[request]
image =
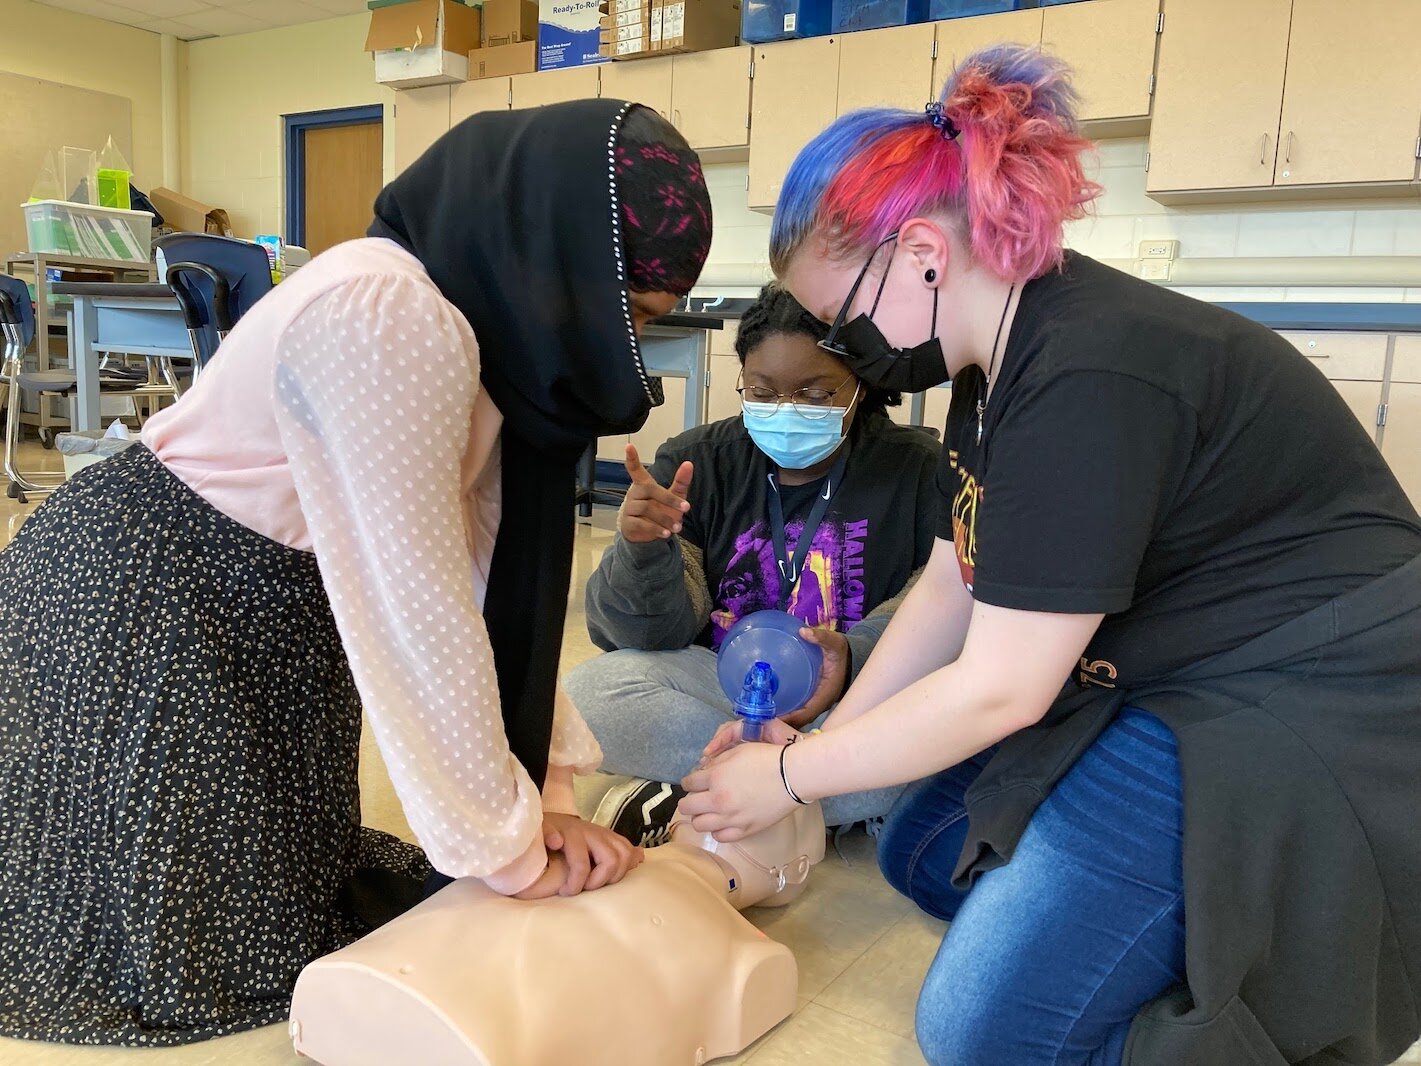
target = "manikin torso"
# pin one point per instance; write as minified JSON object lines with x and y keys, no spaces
{"x":659,"y":970}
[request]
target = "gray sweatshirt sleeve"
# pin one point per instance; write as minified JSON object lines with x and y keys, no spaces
{"x":651,"y":597}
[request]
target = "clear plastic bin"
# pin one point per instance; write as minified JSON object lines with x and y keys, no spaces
{"x":762,"y":21}
{"x":63,"y":228}
{"x":956,"y":9}
{"x":852,"y":15}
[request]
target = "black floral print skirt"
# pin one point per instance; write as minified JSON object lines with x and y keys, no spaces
{"x":179,"y":736}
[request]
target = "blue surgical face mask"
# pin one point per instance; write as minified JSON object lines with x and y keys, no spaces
{"x":793,"y":440}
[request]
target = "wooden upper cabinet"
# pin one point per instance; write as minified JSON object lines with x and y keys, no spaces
{"x":643,"y":81}
{"x":886,"y":68}
{"x":959,"y":38}
{"x":421,"y":118}
{"x":555,"y":86}
{"x":1218,"y":94}
{"x":486,"y":94}
{"x":1110,"y":46}
{"x":710,"y":97}
{"x":1352,"y":102}
{"x":796,"y":95}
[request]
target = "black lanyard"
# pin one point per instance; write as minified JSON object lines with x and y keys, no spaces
{"x":791,"y":566}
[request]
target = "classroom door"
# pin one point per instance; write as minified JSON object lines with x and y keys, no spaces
{"x":344,"y":173}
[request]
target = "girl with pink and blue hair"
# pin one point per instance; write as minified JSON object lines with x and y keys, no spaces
{"x":1157,"y":696}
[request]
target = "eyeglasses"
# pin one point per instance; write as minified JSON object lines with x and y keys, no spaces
{"x":831,"y":342}
{"x":811,"y":403}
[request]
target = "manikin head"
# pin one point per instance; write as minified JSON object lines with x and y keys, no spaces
{"x":768,"y":868}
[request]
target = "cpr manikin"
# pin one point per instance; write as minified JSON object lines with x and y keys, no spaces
{"x":658,"y":970}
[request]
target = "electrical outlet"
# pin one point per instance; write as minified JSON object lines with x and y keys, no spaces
{"x":1154,"y":269}
{"x":1159,"y":249}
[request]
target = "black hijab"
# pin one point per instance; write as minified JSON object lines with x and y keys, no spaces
{"x":516,"y":217}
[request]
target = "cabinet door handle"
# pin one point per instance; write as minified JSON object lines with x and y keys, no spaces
{"x":676,"y":117}
{"x":1263,"y":151}
{"x":1288,"y":151}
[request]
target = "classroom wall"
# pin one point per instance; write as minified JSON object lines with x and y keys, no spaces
{"x":1122,"y":218}
{"x":45,"y":42}
{"x":235,"y":92}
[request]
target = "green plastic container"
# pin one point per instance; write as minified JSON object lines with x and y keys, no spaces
{"x":114,"y":190}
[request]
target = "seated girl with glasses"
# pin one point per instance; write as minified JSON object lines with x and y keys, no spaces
{"x":696,"y":550}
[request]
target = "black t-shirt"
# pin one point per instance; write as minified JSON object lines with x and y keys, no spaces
{"x":877,"y":530}
{"x":1170,"y":464}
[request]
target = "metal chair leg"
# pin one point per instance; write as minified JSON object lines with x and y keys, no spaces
{"x":22,"y":485}
{"x":170,"y":376}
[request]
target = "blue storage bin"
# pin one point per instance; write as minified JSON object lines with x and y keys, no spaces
{"x":1053,"y":3}
{"x":852,"y":15}
{"x":762,"y":21}
{"x":957,"y":9}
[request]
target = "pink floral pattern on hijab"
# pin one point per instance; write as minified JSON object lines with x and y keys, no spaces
{"x":666,"y":216}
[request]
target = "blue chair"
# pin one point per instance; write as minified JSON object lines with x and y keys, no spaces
{"x":216,"y":280}
{"x":17,"y":321}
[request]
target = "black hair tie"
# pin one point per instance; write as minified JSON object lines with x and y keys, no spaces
{"x":939,"y":118}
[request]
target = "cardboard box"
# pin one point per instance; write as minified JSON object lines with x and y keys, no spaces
{"x":698,"y":25}
{"x":422,"y":42}
{"x":637,"y":48}
{"x":630,"y":31}
{"x":634,"y":16}
{"x":677,"y":26}
{"x":626,"y":28}
{"x":509,"y":22}
{"x":182,"y":214}
{"x":569,"y":33}
{"x":502,"y":60}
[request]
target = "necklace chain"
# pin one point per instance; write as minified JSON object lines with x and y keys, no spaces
{"x":982,"y":400}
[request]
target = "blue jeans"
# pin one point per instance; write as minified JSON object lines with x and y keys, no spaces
{"x":1050,"y":957}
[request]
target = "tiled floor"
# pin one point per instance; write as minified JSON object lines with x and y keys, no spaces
{"x":862,"y":949}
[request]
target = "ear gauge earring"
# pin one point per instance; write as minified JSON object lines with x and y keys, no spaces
{"x":930,"y":275}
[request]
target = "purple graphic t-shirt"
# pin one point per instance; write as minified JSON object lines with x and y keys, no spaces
{"x":830,"y":590}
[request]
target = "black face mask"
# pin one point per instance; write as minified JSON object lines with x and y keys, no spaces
{"x":863,"y":346}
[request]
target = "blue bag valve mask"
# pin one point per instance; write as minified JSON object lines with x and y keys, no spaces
{"x":766,"y":669}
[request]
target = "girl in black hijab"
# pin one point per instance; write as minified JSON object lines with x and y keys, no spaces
{"x":365,"y":502}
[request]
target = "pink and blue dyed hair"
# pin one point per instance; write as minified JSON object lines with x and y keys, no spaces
{"x":1010,"y":179}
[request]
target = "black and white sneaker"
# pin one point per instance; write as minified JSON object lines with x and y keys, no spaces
{"x":640,"y":810}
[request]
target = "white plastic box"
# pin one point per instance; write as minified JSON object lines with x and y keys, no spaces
{"x":417,"y":67}
{"x":62,"y":228}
